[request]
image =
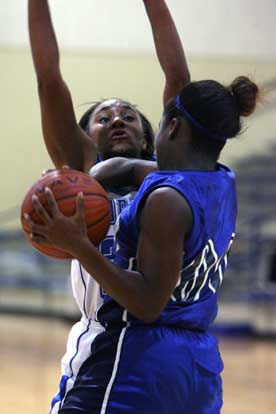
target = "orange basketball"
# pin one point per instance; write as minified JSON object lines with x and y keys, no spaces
{"x":65,"y":185}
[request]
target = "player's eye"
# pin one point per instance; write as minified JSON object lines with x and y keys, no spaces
{"x":104,"y":120}
{"x":128,"y":118}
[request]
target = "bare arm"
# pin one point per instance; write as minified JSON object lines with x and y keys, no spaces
{"x":122,"y":172}
{"x":169,"y":48}
{"x":165,"y":221}
{"x":65,"y":141}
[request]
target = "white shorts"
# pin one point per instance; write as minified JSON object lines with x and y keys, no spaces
{"x":80,"y":339}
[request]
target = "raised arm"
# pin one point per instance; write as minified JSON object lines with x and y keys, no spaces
{"x":169,"y":48}
{"x":65,"y":141}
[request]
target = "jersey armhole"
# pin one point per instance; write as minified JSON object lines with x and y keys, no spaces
{"x":143,"y":200}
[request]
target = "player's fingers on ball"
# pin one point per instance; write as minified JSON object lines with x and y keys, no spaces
{"x":37,"y":238}
{"x":33,"y":227}
{"x":80,"y":201}
{"x":80,"y":205}
{"x":40,"y":210}
{"x":51,"y":202}
{"x":37,"y":228}
{"x":28,"y":219}
{"x":65,"y":167}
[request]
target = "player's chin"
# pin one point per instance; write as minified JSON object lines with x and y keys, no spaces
{"x":124,"y":150}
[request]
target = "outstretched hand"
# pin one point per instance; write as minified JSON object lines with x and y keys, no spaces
{"x":58,"y":230}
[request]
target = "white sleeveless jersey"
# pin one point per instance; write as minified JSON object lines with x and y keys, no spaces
{"x":88,"y":295}
{"x":86,"y":290}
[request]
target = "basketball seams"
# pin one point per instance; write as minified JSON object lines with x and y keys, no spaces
{"x":105,"y":215}
{"x":28,"y":203}
{"x":88,"y":206}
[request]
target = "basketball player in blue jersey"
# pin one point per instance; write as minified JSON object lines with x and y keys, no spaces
{"x":155,"y":355}
{"x":109,"y":128}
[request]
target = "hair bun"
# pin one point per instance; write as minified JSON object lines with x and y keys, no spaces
{"x":246,"y":93}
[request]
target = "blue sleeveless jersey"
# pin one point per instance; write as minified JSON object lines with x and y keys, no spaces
{"x":212,"y":198}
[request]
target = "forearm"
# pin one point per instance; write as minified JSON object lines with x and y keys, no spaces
{"x":122,"y":172}
{"x":43,"y":41}
{"x":168,"y":46}
{"x":130,"y":289}
{"x":115,"y":172}
{"x":65,"y":141}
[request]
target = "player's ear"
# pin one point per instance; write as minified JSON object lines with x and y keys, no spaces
{"x":174,"y":127}
{"x":144,"y":142}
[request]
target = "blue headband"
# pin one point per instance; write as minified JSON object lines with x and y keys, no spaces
{"x":195,"y":123}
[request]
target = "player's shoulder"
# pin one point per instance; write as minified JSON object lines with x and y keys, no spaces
{"x":166,"y":210}
{"x":167,"y":198}
{"x":166,"y":203}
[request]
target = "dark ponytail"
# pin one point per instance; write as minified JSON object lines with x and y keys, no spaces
{"x":246,"y":94}
{"x":213,"y":111}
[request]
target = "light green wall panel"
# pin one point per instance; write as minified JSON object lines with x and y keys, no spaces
{"x":91,"y":77}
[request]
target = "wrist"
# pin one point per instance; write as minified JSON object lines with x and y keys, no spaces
{"x":78,"y":246}
{"x":82,"y":248}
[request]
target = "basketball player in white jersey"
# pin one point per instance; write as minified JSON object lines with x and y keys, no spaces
{"x":110,"y":128}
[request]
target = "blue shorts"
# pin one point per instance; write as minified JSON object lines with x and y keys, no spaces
{"x":148,"y":370}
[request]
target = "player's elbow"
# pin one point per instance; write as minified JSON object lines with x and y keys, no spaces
{"x":148,"y":305}
{"x":149,"y":313}
{"x":150,"y":318}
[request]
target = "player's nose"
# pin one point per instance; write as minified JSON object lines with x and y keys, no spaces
{"x":117,"y":121}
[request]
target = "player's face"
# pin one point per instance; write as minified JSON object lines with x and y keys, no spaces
{"x":118,"y":130}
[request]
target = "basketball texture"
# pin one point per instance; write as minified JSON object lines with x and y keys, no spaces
{"x":65,"y":185}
